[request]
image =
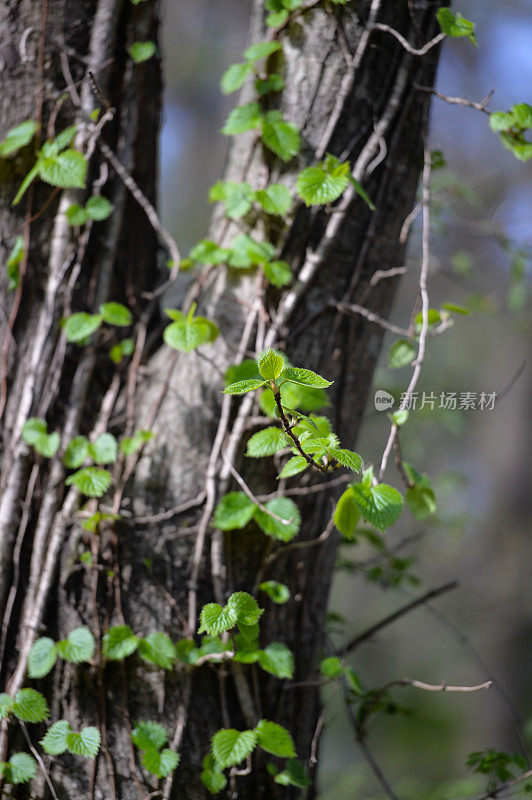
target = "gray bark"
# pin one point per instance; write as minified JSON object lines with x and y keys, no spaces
{"x":172,"y":469}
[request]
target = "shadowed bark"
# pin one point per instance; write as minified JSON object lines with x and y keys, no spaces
{"x":152,"y":574}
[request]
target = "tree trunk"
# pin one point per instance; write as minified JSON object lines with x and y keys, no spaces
{"x":350,"y":90}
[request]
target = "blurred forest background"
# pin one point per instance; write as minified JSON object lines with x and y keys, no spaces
{"x":479,"y":461}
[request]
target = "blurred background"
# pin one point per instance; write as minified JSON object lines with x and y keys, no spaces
{"x":479,"y":461}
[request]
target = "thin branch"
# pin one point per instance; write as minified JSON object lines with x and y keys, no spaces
{"x":302,"y":545}
{"x":503,"y":788}
{"x":415,"y":51}
{"x":289,"y":432}
{"x":377,"y":771}
{"x":458,"y":101}
{"x":254,"y":499}
{"x":168,"y":514}
{"x":352,"y":309}
{"x":437,"y":687}
{"x":39,"y":760}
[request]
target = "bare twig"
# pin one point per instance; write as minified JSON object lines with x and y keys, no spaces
{"x":458,"y":101}
{"x":415,"y":51}
{"x":254,"y":499}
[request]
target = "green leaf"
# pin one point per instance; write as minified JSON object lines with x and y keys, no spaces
{"x":230,"y":747}
{"x":214,"y":619}
{"x":6,"y":705}
{"x":266,"y":442}
{"x":234,"y":510}
{"x":116,"y":314}
{"x":324,"y":183}
{"x":277,"y":659}
{"x":34,"y":433}
{"x":76,"y":452}
{"x":399,"y":417}
{"x":517,"y":145}
{"x":275,"y":199}
{"x":275,"y":739}
{"x":454,"y":308}
{"x":246,"y":608}
{"x":64,"y":139}
{"x":278,"y":592}
{"x":99,"y":208}
{"x":522,"y":114}
{"x":67,"y":169}
{"x":86,"y":743}
{"x":421,"y":501}
{"x":361,"y":192}
{"x":131,"y":444}
{"x":146,"y":735}
{"x":287,"y":510}
{"x":278,"y":273}
{"x":241,"y":387}
{"x":160,"y":763}
{"x":76,"y":215}
{"x":158,"y":649}
{"x":270,"y":364}
{"x":379,"y":505}
{"x":272,"y":83}
{"x":188,"y":334}
{"x":124,"y":348}
{"x":119,"y":642}
{"x":104,"y":450}
{"x":54,"y":741}
{"x":305,"y":377}
{"x":243,"y":118}
{"x":42,"y":657}
{"x":246,"y":251}
{"x":30,"y":706}
{"x":501,"y":121}
{"x":401,"y":353}
{"x":234,"y":77}
{"x":21,"y":768}
{"x":280,"y":136}
{"x":80,"y":326}
{"x":261,"y":50}
{"x":293,"y":466}
{"x":347,"y":458}
{"x":332,"y":667}
{"x":90,"y":481}
{"x":15,"y":257}
{"x":237,"y":197}
{"x":208,"y":253}
{"x":142,"y":51}
{"x":214,"y":782}
{"x":79,"y":646}
{"x":456,"y":25}
{"x":346,"y":515}
{"x":32,"y":174}
{"x":293,"y":775}
{"x":18,"y":137}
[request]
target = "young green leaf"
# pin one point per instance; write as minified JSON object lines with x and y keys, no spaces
{"x":20,"y":768}
{"x":275,"y":739}
{"x":234,"y":511}
{"x":324,"y":183}
{"x":332,"y":667}
{"x":305,"y":377}
{"x":158,"y":649}
{"x":188,"y":334}
{"x":104,"y":450}
{"x":79,"y":646}
{"x":277,"y":273}
{"x":456,"y":25}
{"x":272,"y":83}
{"x":286,"y":510}
{"x":277,"y":659}
{"x":245,"y":252}
{"x":261,"y":50}
{"x":14,"y":259}
{"x":160,"y":763}
{"x":275,"y":199}
{"x":214,"y":619}
{"x":119,"y":642}
{"x":30,"y":706}
{"x":18,"y":137}
{"x":98,"y":207}
{"x":230,"y":747}
{"x":293,"y":466}
{"x":142,"y":51}
{"x":266,"y":442}
{"x":131,"y":444}
{"x":421,"y":501}
{"x":42,"y":657}
{"x":90,"y":481}
{"x":280,"y":136}
{"x":208,"y":253}
{"x":67,"y":169}
{"x":213,"y":781}
{"x":86,"y":743}
{"x":241,"y":387}
{"x":293,"y":775}
{"x":35,"y":433}
{"x":379,"y":505}
{"x":76,"y":215}
{"x":80,"y":326}
{"x":243,"y":118}
{"x":346,"y":515}
{"x":246,"y":608}
{"x":278,"y":592}
{"x":237,"y":197}
{"x":234,"y":77}
{"x":270,"y":364}
{"x":76,"y":452}
{"x":149,"y":734}
{"x":54,"y":741}
{"x":347,"y":458}
{"x":401,"y":353}
{"x":116,"y":314}
{"x":118,"y":351}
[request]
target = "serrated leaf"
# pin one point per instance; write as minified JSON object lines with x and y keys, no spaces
{"x":160,"y":763}
{"x":234,"y":77}
{"x":277,"y":659}
{"x":456,"y":25}
{"x":42,"y":657}
{"x":18,"y":137}
{"x":293,"y":466}
{"x":90,"y":481}
{"x":241,"y":387}
{"x":99,"y":207}
{"x":86,"y":743}
{"x":401,"y":353}
{"x":287,"y":510}
{"x":305,"y":377}
{"x":316,"y":186}
{"x":347,"y":458}
{"x":214,"y":619}
{"x":214,"y":782}
{"x":149,"y":734}
{"x":280,"y":136}
{"x":266,"y":442}
{"x":278,"y":592}
{"x":379,"y":505}
{"x":54,"y":742}
{"x":67,"y":169}
{"x":79,"y":646}
{"x":234,"y":511}
{"x":346,"y":514}
{"x":243,"y":118}
{"x":275,"y":739}
{"x":116,"y":314}
{"x":81,"y":325}
{"x":237,"y":197}
{"x":65,"y":138}
{"x":6,"y":705}
{"x":76,"y":452}
{"x":230,"y":747}
{"x":142,"y":51}
{"x":158,"y":649}
{"x":261,"y":50}
{"x":119,"y":642}
{"x":270,"y":364}
{"x":331,"y":667}
{"x":246,"y":608}
{"x":275,"y":199}
{"x":21,"y":768}
{"x":30,"y":706}
{"x":104,"y":450}
{"x":187,"y":335}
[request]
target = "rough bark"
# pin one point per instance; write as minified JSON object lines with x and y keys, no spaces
{"x":172,"y":469}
